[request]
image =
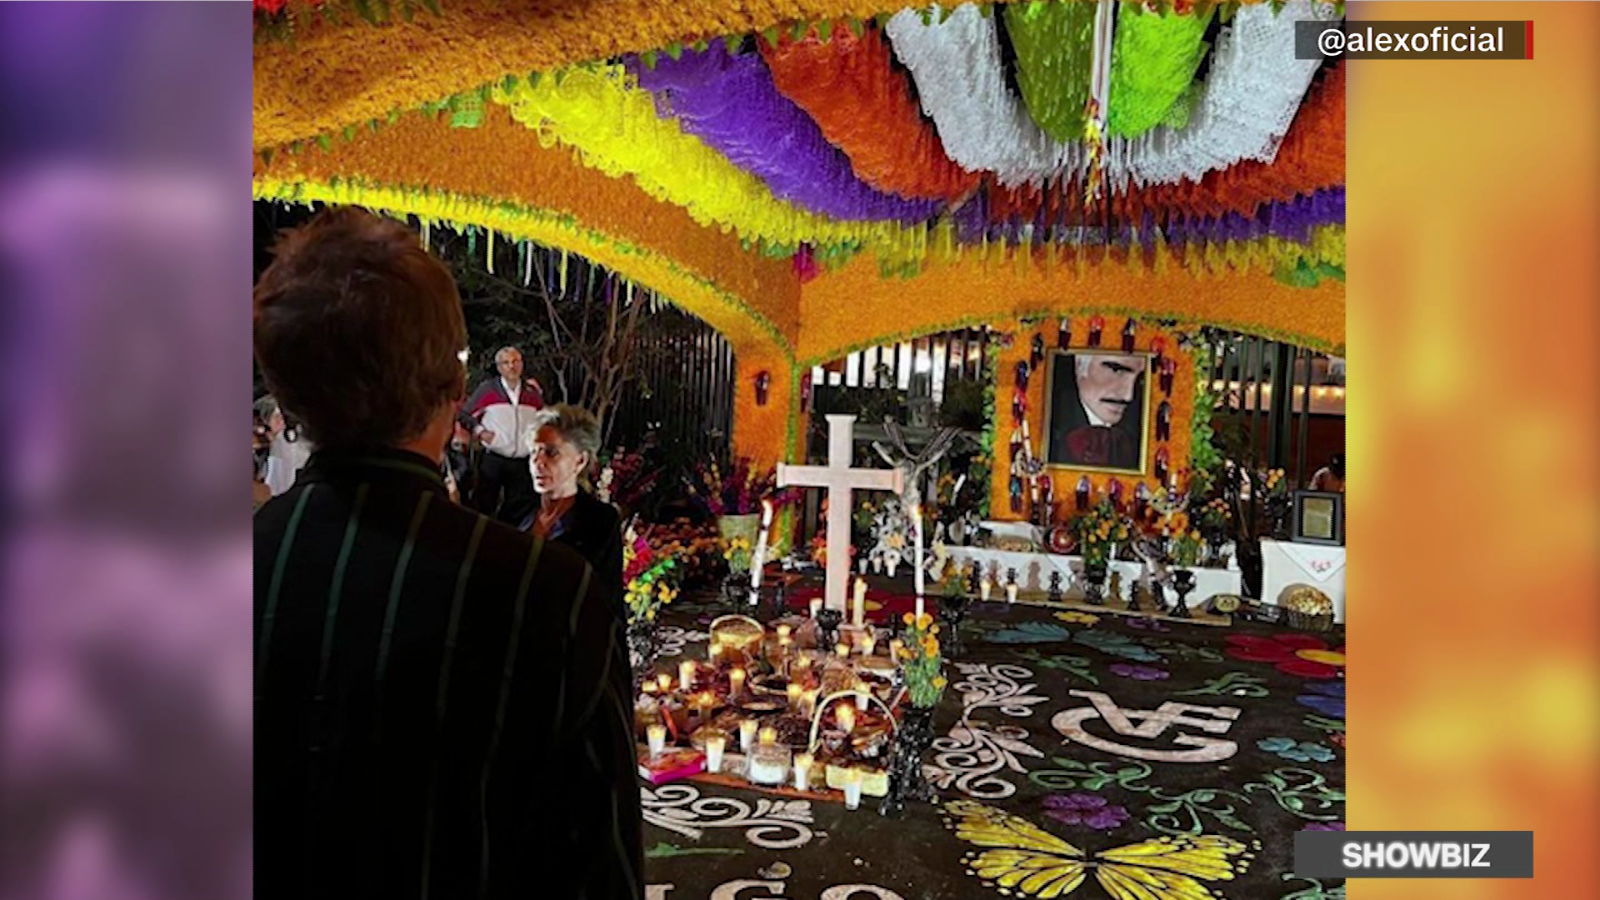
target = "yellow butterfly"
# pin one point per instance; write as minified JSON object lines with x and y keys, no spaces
{"x":1036,"y":863}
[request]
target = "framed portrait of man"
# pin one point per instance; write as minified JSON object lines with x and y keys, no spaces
{"x":1097,"y":415}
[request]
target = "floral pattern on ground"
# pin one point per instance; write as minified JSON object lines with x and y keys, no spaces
{"x":1292,"y":654}
{"x":1088,"y":810}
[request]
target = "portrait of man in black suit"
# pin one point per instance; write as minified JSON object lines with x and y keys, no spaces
{"x":1098,"y":414}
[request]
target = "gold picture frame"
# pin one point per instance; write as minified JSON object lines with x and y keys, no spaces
{"x":1060,"y":393}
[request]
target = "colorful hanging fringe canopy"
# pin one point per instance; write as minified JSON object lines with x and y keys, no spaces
{"x":1031,"y":127}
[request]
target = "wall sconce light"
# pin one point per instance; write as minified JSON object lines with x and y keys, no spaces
{"x":763,"y":382}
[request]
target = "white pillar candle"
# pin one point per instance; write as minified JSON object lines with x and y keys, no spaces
{"x":802,"y":771}
{"x":794,"y":694}
{"x":714,"y":747}
{"x":1011,"y":592}
{"x":858,"y":614}
{"x":984,"y":586}
{"x":816,"y":606}
{"x":916,"y":537}
{"x":868,"y":644}
{"x":747,"y":734}
{"x":657,"y":736}
{"x":846,"y":716}
{"x":736,"y":682}
{"x":784,"y":631}
{"x":862,"y":699}
{"x":920,"y":608}
{"x":664,"y":682}
{"x":649,"y":687}
{"x":852,"y":788}
{"x":686,"y":674}
{"x":758,"y":561}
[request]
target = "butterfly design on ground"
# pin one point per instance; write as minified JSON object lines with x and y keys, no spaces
{"x":1031,"y":862}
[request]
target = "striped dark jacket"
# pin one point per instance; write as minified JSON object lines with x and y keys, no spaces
{"x":441,"y":701}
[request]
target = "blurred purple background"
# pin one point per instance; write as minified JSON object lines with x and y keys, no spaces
{"x":125,"y":255}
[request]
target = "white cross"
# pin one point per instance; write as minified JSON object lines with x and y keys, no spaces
{"x":839,"y":479}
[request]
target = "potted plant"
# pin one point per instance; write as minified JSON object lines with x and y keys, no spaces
{"x":1096,"y":533}
{"x":1184,"y":547}
{"x":651,"y":580}
{"x":922,"y":668}
{"x":733,"y":495}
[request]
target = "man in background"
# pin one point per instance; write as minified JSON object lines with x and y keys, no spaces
{"x":500,"y":415}
{"x":442,"y":703}
{"x":1097,"y":414}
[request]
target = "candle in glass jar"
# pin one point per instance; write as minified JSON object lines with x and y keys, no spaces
{"x":769,"y":735}
{"x":816,"y":606}
{"x":846,"y":717}
{"x":664,"y":682}
{"x":686,"y":674}
{"x":747,"y":734}
{"x":657,"y":736}
{"x":794,"y":694}
{"x":802,"y":771}
{"x":736,"y":681}
{"x":715,"y":744}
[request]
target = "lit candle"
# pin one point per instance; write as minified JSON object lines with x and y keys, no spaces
{"x":736,"y":682}
{"x":714,"y":651}
{"x":783,"y":643}
{"x":803,"y":663}
{"x":916,"y":532}
{"x":686,"y":674}
{"x":842,"y":649}
{"x":794,"y":694}
{"x":984,"y":586}
{"x":862,"y":698}
{"x":769,"y":735}
{"x":809,"y":701}
{"x":858,"y":615}
{"x":816,"y":606}
{"x":802,"y":771}
{"x":759,"y":560}
{"x":852,"y":788}
{"x":846,"y":717}
{"x":895,"y":645}
{"x":649,"y":687}
{"x":868,"y":644}
{"x":747,"y":734}
{"x":1011,"y":592}
{"x":715,"y":744}
{"x":706,"y":702}
{"x":920,"y":608}
{"x":657,"y":736}
{"x":664,"y":682}
{"x":784,"y":631}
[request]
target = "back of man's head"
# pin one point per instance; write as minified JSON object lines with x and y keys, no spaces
{"x":358,"y":330}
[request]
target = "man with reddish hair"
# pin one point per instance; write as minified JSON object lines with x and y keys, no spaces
{"x":442,"y":702}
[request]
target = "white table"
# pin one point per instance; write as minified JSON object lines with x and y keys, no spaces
{"x":1285,"y":564}
{"x":1033,"y":572}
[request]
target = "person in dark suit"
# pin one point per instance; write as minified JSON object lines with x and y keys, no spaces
{"x":1097,"y":410}
{"x":566,"y":442}
{"x":442,"y":702}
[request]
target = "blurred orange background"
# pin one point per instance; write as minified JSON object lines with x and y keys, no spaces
{"x":1474,"y":320}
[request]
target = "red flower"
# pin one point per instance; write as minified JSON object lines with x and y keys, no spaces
{"x":1292,"y":654}
{"x":270,"y":7}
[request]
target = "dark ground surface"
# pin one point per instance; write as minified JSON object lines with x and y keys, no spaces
{"x":1006,"y":769}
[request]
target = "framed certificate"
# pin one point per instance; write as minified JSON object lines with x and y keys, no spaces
{"x":1318,"y":517}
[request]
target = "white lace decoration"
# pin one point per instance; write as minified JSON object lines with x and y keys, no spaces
{"x":984,"y":126}
{"x":1250,"y":97}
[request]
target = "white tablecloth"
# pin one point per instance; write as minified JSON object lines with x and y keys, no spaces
{"x":1287,"y":564}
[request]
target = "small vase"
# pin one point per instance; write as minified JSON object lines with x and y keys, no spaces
{"x":906,"y":778}
{"x":644,"y":645}
{"x":1094,"y":583}
{"x":1182,"y":584}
